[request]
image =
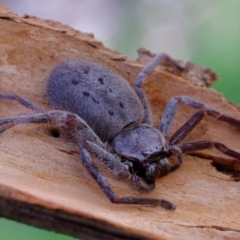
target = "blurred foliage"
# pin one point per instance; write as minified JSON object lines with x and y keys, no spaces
{"x":10,"y":230}
{"x":216,"y":44}
{"x":205,"y":32}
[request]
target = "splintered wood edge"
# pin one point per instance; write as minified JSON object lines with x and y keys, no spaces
{"x":20,"y":206}
{"x":25,"y":208}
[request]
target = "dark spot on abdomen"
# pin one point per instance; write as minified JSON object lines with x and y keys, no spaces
{"x":121,"y":104}
{"x":74,"y":81}
{"x":111,"y":113}
{"x":95,"y":100}
{"x":100,"y":79}
{"x":87,"y":94}
{"x":86,"y":70}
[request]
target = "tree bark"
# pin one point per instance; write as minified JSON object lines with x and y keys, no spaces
{"x":42,"y":180}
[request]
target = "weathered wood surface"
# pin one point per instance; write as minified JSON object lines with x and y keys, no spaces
{"x":42,"y":180}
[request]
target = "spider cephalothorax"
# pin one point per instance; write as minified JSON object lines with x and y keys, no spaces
{"x":112,"y":121}
{"x":149,"y":160}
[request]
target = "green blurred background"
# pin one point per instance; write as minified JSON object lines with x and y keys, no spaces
{"x":205,"y":32}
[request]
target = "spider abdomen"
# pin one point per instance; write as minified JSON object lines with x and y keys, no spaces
{"x":98,"y":95}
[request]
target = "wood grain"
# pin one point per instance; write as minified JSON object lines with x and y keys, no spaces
{"x":42,"y":179}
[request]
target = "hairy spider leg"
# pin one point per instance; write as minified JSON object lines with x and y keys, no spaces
{"x":183,"y":131}
{"x":137,"y":184}
{"x":138,"y":85}
{"x":102,"y":182}
{"x":201,"y":145}
{"x":26,"y":103}
{"x":23,"y":101}
{"x":170,"y":112}
{"x":196,"y":118}
{"x":111,"y":161}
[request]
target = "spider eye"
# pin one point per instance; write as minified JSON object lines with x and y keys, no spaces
{"x":163,"y":149}
{"x":145,"y":154}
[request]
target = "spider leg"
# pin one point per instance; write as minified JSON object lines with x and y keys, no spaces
{"x":141,"y":188}
{"x":138,"y":85}
{"x":170,"y":111}
{"x":26,"y":103}
{"x":183,"y":131}
{"x":72,"y":123}
{"x":111,"y":161}
{"x":201,"y":145}
{"x":8,"y":122}
{"x":102,"y":182}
